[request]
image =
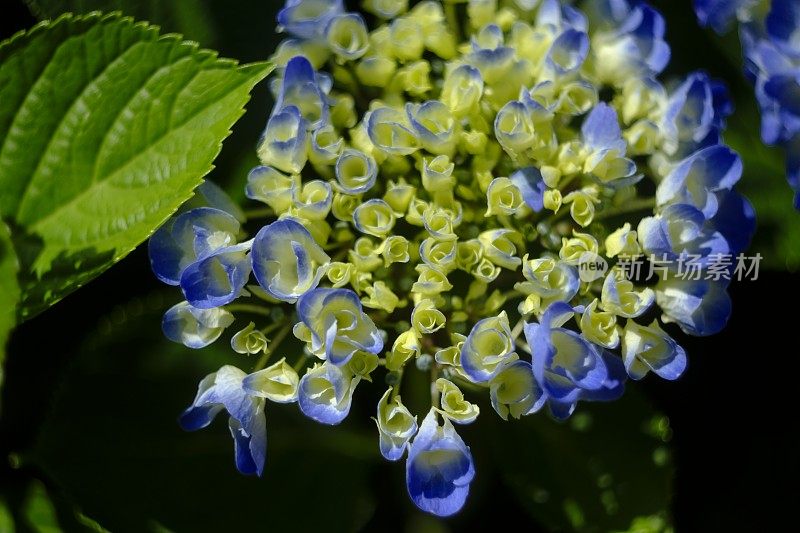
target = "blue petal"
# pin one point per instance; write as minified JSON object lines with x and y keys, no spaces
{"x":218,"y":279}
{"x":202,"y":411}
{"x":614,"y":384}
{"x":709,"y":170}
{"x":735,"y":220}
{"x":783,"y":21}
{"x":568,"y":51}
{"x":249,"y":449}
{"x":194,"y":328}
{"x":700,"y":308}
{"x":308,"y":18}
{"x":439,"y":468}
{"x":601,"y":129}
{"x":275,"y":263}
{"x":187,"y":237}
{"x":300,"y":88}
{"x":531,"y":185}
{"x":325,"y":410}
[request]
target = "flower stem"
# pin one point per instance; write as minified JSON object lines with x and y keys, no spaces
{"x":247,"y":308}
{"x":276,"y":342}
{"x":258,"y":213}
{"x":639,"y":204}
{"x":451,"y":15}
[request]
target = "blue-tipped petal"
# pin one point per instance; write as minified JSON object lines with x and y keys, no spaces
{"x":189,"y":236}
{"x":694,"y":180}
{"x":193,"y":327}
{"x":218,"y":279}
{"x":308,"y":18}
{"x":700,"y":308}
{"x":601,"y":129}
{"x":439,"y":468}
{"x":530,"y":183}
{"x":568,"y":51}
{"x":276,"y":265}
{"x":325,"y":394}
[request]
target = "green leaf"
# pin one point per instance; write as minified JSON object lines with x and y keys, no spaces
{"x":106,"y":128}
{"x":9,"y":291}
{"x":190,"y":18}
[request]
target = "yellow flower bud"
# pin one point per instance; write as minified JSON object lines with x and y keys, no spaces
{"x":340,"y":274}
{"x":600,"y":327}
{"x":399,"y":195}
{"x":453,"y":404}
{"x":425,"y":318}
{"x":503,"y":197}
{"x":380,"y":296}
{"x":404,"y":348}
{"x":431,"y":281}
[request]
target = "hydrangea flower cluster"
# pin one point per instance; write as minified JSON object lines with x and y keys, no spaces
{"x":432,"y":188}
{"x":770,"y":36}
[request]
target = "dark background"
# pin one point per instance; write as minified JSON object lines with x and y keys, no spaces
{"x":92,"y":392}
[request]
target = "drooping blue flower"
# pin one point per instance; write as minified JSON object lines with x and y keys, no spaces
{"x":489,"y":54}
{"x":223,"y":390}
{"x":218,"y":278}
{"x":439,"y":468}
{"x":695,"y":114}
{"x":193,"y":327}
{"x":783,"y":26}
{"x":678,"y":231}
{"x":567,"y":367}
{"x":602,"y":137}
{"x":646,"y":348}
{"x":308,"y":18}
{"x":287,"y":261}
{"x":530,"y":183}
{"x":699,"y":307}
{"x":301,"y":88}
{"x":325,"y":393}
{"x":339,"y":327}
{"x":696,"y":179}
{"x":190,"y":236}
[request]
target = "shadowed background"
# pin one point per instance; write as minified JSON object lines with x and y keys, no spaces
{"x":93,"y":390}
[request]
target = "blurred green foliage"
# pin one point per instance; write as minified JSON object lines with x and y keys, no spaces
{"x":111,"y":444}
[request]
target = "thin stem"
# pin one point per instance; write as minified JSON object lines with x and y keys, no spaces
{"x":434,"y":390}
{"x":276,"y":342}
{"x":300,"y":363}
{"x":258,"y":213}
{"x":248,"y":308}
{"x":640,"y":204}
{"x":396,"y":386}
{"x":451,"y":15}
{"x":518,"y":328}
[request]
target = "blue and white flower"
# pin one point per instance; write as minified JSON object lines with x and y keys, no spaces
{"x":339,"y":327}
{"x":287,"y":261}
{"x":439,"y":468}
{"x":223,"y":390}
